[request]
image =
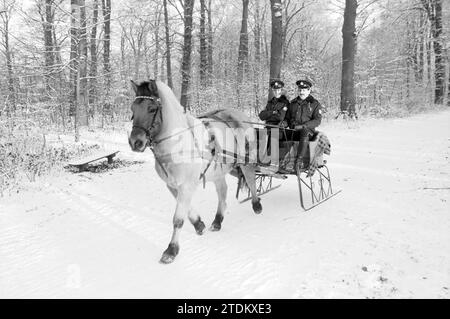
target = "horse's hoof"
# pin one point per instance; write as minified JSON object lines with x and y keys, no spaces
{"x":166,"y":259}
{"x":215,"y":227}
{"x":200,"y":227}
{"x":170,"y":253}
{"x":257,"y":207}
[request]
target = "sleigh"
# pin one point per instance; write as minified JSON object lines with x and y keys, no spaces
{"x":277,"y":160}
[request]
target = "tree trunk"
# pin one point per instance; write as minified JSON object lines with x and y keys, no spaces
{"x":156,"y":52}
{"x":187,"y":48}
{"x":122,"y":58}
{"x":428,"y":53}
{"x":48,"y":43}
{"x":409,"y":56}
{"x":203,"y":46}
{"x":448,"y":89}
{"x":60,"y":77}
{"x":210,"y":45}
{"x":420,"y":49}
{"x":83,"y":92}
{"x":106,"y":8}
{"x":422,"y":56}
{"x":9,"y":65}
{"x":348,"y":59}
{"x":434,"y":12}
{"x":257,"y":64}
{"x":276,"y":44}
{"x":242,"y":67}
{"x":163,"y":70}
{"x":93,"y":66}
{"x":74,"y":38}
{"x":439,"y":69}
{"x":168,"y":54}
{"x":448,"y":84}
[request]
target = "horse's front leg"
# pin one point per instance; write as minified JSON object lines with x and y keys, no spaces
{"x":193,"y":216}
{"x":184,"y":197}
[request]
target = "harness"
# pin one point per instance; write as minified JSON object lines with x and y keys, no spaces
{"x":153,"y":142}
{"x":152,"y":124}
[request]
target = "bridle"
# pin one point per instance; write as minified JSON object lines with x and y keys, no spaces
{"x":148,"y":130}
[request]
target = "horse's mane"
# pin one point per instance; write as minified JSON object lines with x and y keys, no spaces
{"x":231,"y":117}
{"x":170,"y":103}
{"x":166,"y":94}
{"x":147,"y":88}
{"x":158,"y":89}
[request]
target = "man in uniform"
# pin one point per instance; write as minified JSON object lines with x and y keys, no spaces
{"x":274,"y":115}
{"x":303,"y":116}
{"x":276,"y":108}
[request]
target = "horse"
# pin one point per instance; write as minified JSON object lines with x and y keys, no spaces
{"x":186,"y":150}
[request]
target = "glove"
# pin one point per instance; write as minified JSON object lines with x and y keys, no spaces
{"x":299,"y":127}
{"x":283,"y":124}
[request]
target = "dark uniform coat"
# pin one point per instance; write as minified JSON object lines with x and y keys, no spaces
{"x":273,"y":113}
{"x":307,"y":112}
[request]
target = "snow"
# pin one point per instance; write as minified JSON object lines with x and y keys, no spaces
{"x":100,"y":235}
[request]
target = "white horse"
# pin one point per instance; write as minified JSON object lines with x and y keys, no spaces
{"x":187,"y":150}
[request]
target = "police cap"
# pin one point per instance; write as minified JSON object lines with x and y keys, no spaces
{"x":277,"y":84}
{"x":303,"y":84}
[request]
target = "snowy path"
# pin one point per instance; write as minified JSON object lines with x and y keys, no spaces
{"x":387,"y":235}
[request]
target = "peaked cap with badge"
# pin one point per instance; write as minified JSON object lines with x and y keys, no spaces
{"x":303,"y":84}
{"x":277,"y":84}
{"x":305,"y":112}
{"x":276,"y":108}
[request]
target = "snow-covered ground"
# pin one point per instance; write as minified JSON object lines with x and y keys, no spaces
{"x":387,"y":235}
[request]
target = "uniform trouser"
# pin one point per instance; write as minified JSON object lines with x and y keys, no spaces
{"x":283,"y":135}
{"x":302,"y":136}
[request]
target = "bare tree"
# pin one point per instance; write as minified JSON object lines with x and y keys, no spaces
{"x":136,"y":31}
{"x":242,"y":66}
{"x":434,"y":12}
{"x":83,"y":52}
{"x":5,"y":14}
{"x":210,"y":44}
{"x":93,"y":64}
{"x":47,"y":16}
{"x":168,"y":53}
{"x":156,"y":39}
{"x":106,"y":9}
{"x":187,"y":48}
{"x":257,"y":64}
{"x":73,"y":64}
{"x":349,"y":35}
{"x":203,"y":46}
{"x":291,"y":10}
{"x":276,"y":44}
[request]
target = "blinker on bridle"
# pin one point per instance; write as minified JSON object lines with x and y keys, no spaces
{"x":152,"y":124}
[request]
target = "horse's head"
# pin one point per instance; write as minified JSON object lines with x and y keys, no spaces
{"x":147,"y":118}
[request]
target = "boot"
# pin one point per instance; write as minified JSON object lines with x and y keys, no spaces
{"x":300,"y":161}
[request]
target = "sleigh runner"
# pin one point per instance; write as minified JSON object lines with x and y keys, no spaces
{"x":314,"y":181}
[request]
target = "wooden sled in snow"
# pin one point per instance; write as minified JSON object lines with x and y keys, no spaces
{"x":314,"y":181}
{"x":84,"y":164}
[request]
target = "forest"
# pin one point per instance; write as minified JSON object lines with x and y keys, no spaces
{"x":67,"y":65}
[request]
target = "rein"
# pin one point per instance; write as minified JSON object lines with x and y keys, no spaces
{"x":153,"y":142}
{"x":152,"y":124}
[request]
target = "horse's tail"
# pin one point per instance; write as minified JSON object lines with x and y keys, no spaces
{"x":237,"y":172}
